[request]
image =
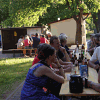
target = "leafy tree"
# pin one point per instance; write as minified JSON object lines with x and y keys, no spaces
{"x":89,"y":23}
{"x":71,"y":8}
{"x":31,"y":12}
{"x":4,"y":10}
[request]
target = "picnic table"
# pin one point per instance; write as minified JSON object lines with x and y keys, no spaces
{"x":14,"y":50}
{"x":93,"y":76}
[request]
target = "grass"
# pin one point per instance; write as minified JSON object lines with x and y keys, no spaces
{"x":12,"y":70}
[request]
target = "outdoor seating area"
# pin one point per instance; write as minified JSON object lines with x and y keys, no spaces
{"x":74,"y":69}
{"x":50,"y":50}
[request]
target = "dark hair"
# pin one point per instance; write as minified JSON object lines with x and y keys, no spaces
{"x":97,"y":36}
{"x":45,"y":50}
{"x":52,"y":38}
{"x":36,"y":34}
{"x":42,"y":35}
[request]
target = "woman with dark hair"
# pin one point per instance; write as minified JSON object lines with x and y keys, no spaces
{"x":41,"y":75}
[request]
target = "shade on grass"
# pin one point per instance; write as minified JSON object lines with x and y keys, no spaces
{"x":13,"y":70}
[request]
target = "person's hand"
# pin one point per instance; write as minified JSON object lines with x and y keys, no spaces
{"x":87,"y":50}
{"x":89,"y":84}
{"x":69,"y":65}
{"x":68,"y":69}
{"x":96,"y":66}
{"x":56,"y":62}
{"x":63,"y":49}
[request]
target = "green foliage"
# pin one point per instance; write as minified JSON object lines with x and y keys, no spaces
{"x":89,"y":23}
{"x":18,"y":13}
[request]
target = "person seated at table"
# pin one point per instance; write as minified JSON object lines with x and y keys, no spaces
{"x":67,"y":68}
{"x":26,"y":44}
{"x":91,"y":44}
{"x":20,"y":44}
{"x":61,"y":53}
{"x":40,"y":75}
{"x":95,"y":59}
{"x":63,"y":41}
{"x":93,"y":85}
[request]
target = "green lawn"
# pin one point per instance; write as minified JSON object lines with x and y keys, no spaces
{"x":12,"y":70}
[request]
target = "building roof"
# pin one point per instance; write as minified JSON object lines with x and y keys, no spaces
{"x":66,"y":19}
{"x":22,"y":27}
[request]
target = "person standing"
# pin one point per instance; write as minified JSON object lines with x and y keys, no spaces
{"x":36,"y":42}
{"x":42,"y":39}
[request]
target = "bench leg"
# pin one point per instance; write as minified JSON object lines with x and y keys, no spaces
{"x":13,"y":53}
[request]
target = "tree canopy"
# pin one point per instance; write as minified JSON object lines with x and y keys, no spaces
{"x":18,"y":13}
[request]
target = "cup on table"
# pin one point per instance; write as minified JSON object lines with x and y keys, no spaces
{"x":68,"y":77}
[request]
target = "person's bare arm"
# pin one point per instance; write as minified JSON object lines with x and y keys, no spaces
{"x":92,"y":49}
{"x":48,"y":72}
{"x":95,"y":86}
{"x":54,"y":65}
{"x":70,"y":55}
{"x":63,"y":63}
{"x":91,"y":64}
{"x":99,"y":75}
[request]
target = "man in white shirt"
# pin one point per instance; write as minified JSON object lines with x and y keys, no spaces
{"x":95,"y":57}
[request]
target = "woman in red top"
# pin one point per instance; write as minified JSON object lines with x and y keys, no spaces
{"x":26,"y":44}
{"x":43,"y":39}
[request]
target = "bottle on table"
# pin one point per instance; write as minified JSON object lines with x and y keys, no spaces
{"x":86,"y":63}
{"x":77,"y":47}
{"x":83,"y":49}
{"x":77,"y":44}
{"x":79,"y":61}
{"x":75,"y":61}
{"x":75,"y":56}
{"x":82,"y":56}
{"x":73,"y":71}
{"x":85,"y":78}
{"x":72,"y":59}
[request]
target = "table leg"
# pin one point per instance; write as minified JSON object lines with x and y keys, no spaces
{"x":62,"y":98}
{"x":13,"y":53}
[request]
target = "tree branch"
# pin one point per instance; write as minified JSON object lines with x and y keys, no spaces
{"x":67,"y":4}
{"x":75,"y":18}
{"x":85,"y":17}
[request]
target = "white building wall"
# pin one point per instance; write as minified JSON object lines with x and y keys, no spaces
{"x":33,"y":31}
{"x":67,"y":26}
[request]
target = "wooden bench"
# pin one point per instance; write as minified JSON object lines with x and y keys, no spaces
{"x":18,"y":50}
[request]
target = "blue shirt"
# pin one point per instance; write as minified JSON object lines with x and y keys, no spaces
{"x":36,"y":42}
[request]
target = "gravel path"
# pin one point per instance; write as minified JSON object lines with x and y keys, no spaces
{"x":7,"y":55}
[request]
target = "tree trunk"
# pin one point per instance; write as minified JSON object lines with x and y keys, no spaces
{"x":78,"y":32}
{"x":79,"y":28}
{"x":96,"y":25}
{"x":96,"y":22}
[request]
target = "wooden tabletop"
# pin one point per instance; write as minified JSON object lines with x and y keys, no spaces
{"x":93,"y":76}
